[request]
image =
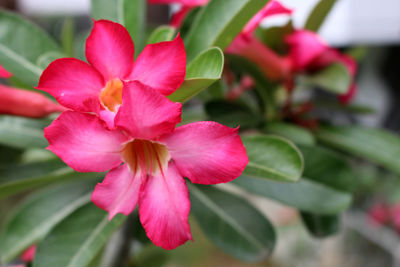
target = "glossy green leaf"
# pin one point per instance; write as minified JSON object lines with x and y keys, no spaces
{"x":130,"y":13}
{"x":77,"y":239}
{"x":319,"y":14}
{"x":327,"y":167}
{"x":334,"y":78}
{"x":37,"y":215}
{"x":232,"y":224}
{"x":274,"y":158}
{"x":321,"y":225}
{"x":15,"y":178}
{"x":22,"y":132}
{"x":305,"y":195}
{"x":21,"y":45}
{"x":377,"y":145}
{"x":292,"y":132}
{"x":218,"y":23}
{"x":200,"y":74}
{"x":161,"y":34}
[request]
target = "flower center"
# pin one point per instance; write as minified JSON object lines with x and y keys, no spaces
{"x":111,"y":95}
{"x":147,"y":156}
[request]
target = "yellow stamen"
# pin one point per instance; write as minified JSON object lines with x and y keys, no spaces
{"x":111,"y":95}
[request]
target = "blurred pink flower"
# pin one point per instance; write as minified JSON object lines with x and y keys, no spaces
{"x":19,"y":102}
{"x":97,"y":86}
{"x":379,"y":214}
{"x":156,"y":157}
{"x":29,"y":254}
{"x":4,"y":73}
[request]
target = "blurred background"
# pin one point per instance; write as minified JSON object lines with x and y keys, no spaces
{"x":372,"y":29}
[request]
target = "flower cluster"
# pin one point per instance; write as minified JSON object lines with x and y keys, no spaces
{"x":121,"y":120}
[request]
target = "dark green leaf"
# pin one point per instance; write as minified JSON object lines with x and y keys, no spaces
{"x":232,"y":224}
{"x":327,"y":167}
{"x":274,"y":158}
{"x":22,"y":132}
{"x":321,"y":225}
{"x":319,"y":14}
{"x":218,"y":23}
{"x":292,"y":132}
{"x":21,"y":45}
{"x":305,"y":195}
{"x":376,"y":145}
{"x":203,"y":71}
{"x":21,"y":177}
{"x":231,"y":114}
{"x":161,"y":34}
{"x":77,"y":239}
{"x":38,"y":214}
{"x":334,"y":78}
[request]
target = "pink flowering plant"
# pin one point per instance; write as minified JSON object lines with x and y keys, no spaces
{"x":123,"y":141}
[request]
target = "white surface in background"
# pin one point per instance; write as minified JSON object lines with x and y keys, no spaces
{"x":54,"y":7}
{"x":350,"y":22}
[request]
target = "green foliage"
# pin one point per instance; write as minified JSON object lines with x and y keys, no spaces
{"x":161,"y":34}
{"x":321,"y":225}
{"x":292,"y":132}
{"x":76,"y":240}
{"x":319,"y":14}
{"x":273,"y":158}
{"x":22,"y":44}
{"x":232,"y":224}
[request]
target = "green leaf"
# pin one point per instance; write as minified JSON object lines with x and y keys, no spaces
{"x":334,"y":78}
{"x":129,"y":13}
{"x":292,"y":132}
{"x":321,"y":225}
{"x":232,"y":224}
{"x":203,"y":71}
{"x":22,"y":132}
{"x":35,"y":217}
{"x":376,"y":145}
{"x":161,"y":34}
{"x":21,"y":177}
{"x":21,"y":45}
{"x":274,"y":158}
{"x":67,"y":36}
{"x":218,"y":23}
{"x":318,"y":15}
{"x":304,"y":195}
{"x":327,"y":167}
{"x":77,"y":239}
{"x":231,"y":114}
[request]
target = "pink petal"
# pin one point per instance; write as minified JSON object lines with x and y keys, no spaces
{"x":84,"y":143}
{"x":145,"y":113}
{"x":74,"y":83}
{"x":161,"y":66}
{"x":164,"y":208}
{"x":190,"y":3}
{"x":110,"y":49}
{"x":19,"y":102}
{"x":29,"y":254}
{"x":273,"y":7}
{"x":305,"y":46}
{"x":4,"y":73}
{"x":119,"y":191}
{"x":332,"y":55}
{"x":207,"y":152}
{"x":270,"y":63}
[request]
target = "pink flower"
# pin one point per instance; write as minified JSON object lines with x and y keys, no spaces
{"x":97,"y":86}
{"x":248,"y":46}
{"x":186,"y":6}
{"x":148,"y":158}
{"x":4,"y":73}
{"x":308,"y":52}
{"x":25,"y":103}
{"x":379,"y":214}
{"x":29,"y":254}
